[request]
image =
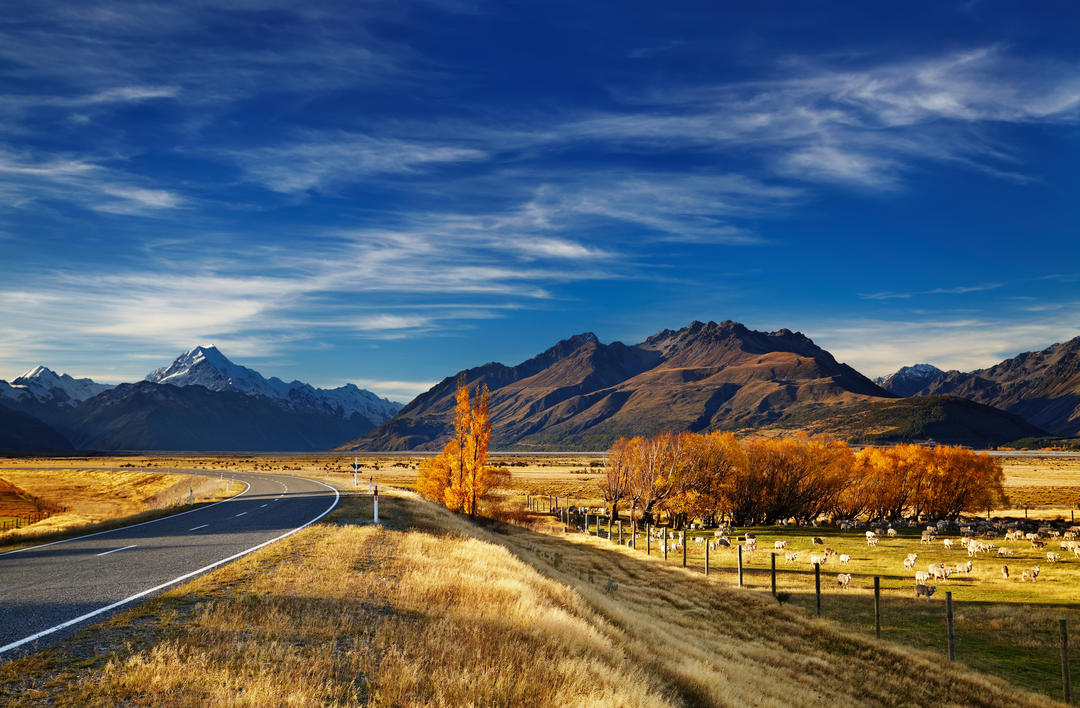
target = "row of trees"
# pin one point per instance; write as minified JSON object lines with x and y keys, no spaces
{"x":459,"y":477}
{"x":717,"y":476}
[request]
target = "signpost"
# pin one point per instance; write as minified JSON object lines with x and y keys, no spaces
{"x":376,"y":497}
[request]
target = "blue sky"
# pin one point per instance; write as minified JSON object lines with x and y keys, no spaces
{"x":387,"y":192}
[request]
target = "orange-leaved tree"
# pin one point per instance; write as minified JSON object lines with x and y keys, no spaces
{"x":459,"y":477}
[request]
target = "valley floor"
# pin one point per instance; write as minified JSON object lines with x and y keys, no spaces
{"x":431,"y":610}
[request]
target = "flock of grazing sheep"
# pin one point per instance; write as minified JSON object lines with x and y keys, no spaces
{"x":975,"y":539}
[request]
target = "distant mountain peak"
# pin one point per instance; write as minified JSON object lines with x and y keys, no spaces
{"x":206,"y":366}
{"x":46,"y":385}
{"x":909,"y":380}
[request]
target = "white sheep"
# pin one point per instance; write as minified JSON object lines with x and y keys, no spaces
{"x":1032,"y":575}
{"x":791,"y":556}
{"x":817,"y":560}
{"x":872,"y":541}
{"x":891,"y":533}
{"x":779,"y":545}
{"x":844,"y":559}
{"x":921,"y":576}
{"x":843,"y":580}
{"x":948,"y":543}
{"x":1053,"y":557}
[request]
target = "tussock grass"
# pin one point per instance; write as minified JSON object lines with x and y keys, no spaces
{"x":94,"y":500}
{"x":430,"y":610}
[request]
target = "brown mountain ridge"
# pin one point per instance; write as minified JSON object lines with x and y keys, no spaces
{"x":583,"y":394}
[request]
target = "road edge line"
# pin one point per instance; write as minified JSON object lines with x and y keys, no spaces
{"x":120,"y":603}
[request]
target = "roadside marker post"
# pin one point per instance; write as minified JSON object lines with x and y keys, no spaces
{"x":376,"y":497}
{"x":191,"y":495}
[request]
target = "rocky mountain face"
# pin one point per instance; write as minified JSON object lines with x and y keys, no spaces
{"x":582,"y":393}
{"x":909,"y":380}
{"x":22,"y":432}
{"x":1041,"y":387}
{"x":47,"y":386}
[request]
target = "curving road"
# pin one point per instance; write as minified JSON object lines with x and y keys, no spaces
{"x":52,"y":590}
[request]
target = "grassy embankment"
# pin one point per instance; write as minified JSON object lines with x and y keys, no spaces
{"x":94,"y":500}
{"x":429,"y":610}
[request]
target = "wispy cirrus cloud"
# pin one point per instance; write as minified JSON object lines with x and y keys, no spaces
{"x":955,"y":290}
{"x":321,"y":160}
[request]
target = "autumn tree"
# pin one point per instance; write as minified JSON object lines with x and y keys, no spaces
{"x":459,"y":477}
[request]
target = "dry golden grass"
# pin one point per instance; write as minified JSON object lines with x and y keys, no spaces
{"x":89,"y":497}
{"x":430,"y":610}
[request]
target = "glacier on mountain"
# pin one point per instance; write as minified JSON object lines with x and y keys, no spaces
{"x":208,"y":367}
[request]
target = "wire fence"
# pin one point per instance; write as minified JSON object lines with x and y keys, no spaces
{"x":727,"y":558}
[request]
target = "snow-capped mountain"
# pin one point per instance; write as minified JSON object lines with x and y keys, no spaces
{"x":47,"y":386}
{"x":209,"y":368}
{"x":909,"y":379}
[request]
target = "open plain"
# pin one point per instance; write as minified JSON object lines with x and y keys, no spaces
{"x":682,"y":637}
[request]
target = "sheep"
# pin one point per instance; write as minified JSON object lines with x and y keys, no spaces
{"x":1003,"y":552}
{"x":891,"y":533}
{"x":909,"y":562}
{"x":870,"y":535}
{"x":1053,"y":557}
{"x":1005,"y":572}
{"x":924,"y":590}
{"x":844,"y":559}
{"x":927,"y":537}
{"x":779,"y":545}
{"x":791,"y":557}
{"x":817,"y":541}
{"x":817,"y":560}
{"x":751,"y":545}
{"x":1032,"y":575}
{"x":723,"y":542}
{"x":843,"y":580}
{"x":921,"y":576}
{"x":872,"y":541}
{"x":939,"y":572}
{"x":964,"y":568}
{"x":1037,"y":545}
{"x":948,"y":543}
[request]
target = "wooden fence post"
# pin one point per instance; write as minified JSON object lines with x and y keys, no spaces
{"x":683,"y":542}
{"x":665,"y":543}
{"x":740,"y":564}
{"x":648,"y":538}
{"x":608,"y":527}
{"x":706,"y":557}
{"x":949,"y":621}
{"x":620,"y":532}
{"x":877,"y":606}
{"x":1066,"y":679}
{"x":817,"y":586}
{"x":772,"y":564}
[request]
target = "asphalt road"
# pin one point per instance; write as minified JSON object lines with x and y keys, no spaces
{"x":48,"y":592}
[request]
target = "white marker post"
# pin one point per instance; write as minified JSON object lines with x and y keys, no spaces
{"x":355,"y":470}
{"x":376,"y":505}
{"x":191,"y":495}
{"x":370,"y":484}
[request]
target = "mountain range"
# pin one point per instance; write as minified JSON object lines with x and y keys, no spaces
{"x":201,"y":401}
{"x":582,"y":394}
{"x":579,"y":394}
{"x":1042,"y":387}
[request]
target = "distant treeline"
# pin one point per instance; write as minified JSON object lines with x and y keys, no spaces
{"x":718,"y":477}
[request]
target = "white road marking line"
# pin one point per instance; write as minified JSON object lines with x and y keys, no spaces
{"x":198,"y":527}
{"x":143,"y":523}
{"x":263,"y":506}
{"x":240,"y":514}
{"x":116,"y":549}
{"x":64,"y":625}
